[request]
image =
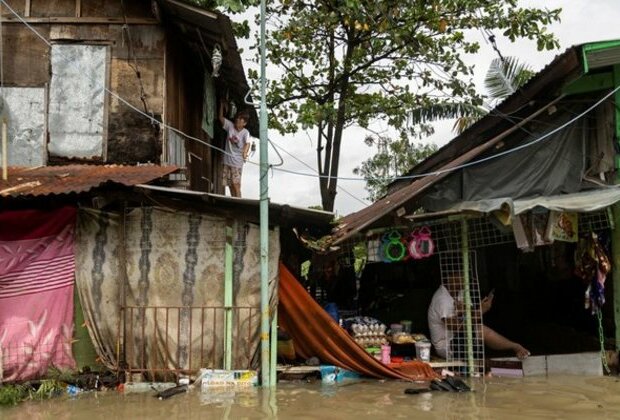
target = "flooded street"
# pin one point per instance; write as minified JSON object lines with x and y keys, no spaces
{"x":565,"y":397}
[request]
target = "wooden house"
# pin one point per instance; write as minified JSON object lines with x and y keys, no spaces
{"x":119,"y":82}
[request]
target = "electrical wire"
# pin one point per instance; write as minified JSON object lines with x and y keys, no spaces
{"x":311,"y":168}
{"x":415,"y":176}
{"x":112,"y":93}
{"x":474,"y":162}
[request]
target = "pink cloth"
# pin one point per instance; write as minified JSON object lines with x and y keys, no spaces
{"x":37,"y":271}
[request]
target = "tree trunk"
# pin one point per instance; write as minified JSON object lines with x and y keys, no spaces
{"x":325,"y":168}
{"x":334,"y":140}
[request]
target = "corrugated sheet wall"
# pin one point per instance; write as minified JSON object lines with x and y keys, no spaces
{"x":76,"y":104}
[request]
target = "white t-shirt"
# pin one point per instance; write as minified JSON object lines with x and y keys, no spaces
{"x":442,"y":306}
{"x":235,"y":141}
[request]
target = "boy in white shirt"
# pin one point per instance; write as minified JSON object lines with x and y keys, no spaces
{"x":237,"y":148}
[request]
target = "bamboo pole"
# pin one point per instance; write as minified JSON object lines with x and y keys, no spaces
{"x":274,"y":348}
{"x":228,"y":297}
{"x":615,"y":232}
{"x":5,"y":148}
{"x":466,"y":292}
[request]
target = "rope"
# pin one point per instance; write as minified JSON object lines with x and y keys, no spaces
{"x":601,"y":338}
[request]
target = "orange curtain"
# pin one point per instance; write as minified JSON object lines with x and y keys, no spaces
{"x":315,"y":333}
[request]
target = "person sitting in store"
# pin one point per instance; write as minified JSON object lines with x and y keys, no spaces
{"x":446,"y":321}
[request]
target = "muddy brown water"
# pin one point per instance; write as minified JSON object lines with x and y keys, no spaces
{"x":560,"y":397}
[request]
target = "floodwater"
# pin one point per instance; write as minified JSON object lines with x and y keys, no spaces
{"x":561,"y":397}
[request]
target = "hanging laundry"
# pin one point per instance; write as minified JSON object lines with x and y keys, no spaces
{"x":592,"y":265}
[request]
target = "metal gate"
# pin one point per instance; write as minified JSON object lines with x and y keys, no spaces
{"x":178,"y":340}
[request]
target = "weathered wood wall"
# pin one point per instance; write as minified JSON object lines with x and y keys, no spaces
{"x":184,"y":85}
{"x":136,"y":66}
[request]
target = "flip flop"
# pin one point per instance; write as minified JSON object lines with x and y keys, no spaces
{"x":439,"y":385}
{"x":457,"y":384}
{"x":414,"y":391}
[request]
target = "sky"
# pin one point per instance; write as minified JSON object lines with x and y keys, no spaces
{"x":581,"y":21}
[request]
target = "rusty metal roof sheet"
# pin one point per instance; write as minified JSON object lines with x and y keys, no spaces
{"x":277,"y":212}
{"x":544,"y":87}
{"x":67,"y":179}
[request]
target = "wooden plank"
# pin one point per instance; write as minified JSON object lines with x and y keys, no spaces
{"x":106,"y":107}
{"x":82,"y":20}
{"x":147,"y":42}
{"x":124,"y":81}
{"x":90,"y":33}
{"x":27,"y":9}
{"x":298,"y":369}
{"x":47,"y":8}
{"x":103,"y":8}
{"x":615,"y":233}
{"x":26,"y":58}
{"x":78,"y":8}
{"x":20,"y":7}
{"x":131,"y":136}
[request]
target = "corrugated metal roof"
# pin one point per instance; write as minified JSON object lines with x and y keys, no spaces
{"x":67,"y":179}
{"x":544,"y":87}
{"x":277,"y":212}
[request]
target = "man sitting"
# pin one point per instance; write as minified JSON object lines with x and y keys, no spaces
{"x":446,"y":317}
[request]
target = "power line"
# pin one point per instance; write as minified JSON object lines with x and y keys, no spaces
{"x":112,"y":93}
{"x":479,"y":161}
{"x":310,"y":167}
{"x":415,"y":176}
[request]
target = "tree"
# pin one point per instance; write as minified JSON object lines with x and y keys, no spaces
{"x":394,"y":158}
{"x":241,"y":29}
{"x":356,"y":62}
{"x":503,"y":78}
{"x":229,"y":6}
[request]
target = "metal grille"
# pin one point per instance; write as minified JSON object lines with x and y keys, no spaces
{"x":452,"y":278}
{"x":447,"y":236}
{"x":176,"y":155}
{"x":483,"y":232}
{"x":595,"y":221}
{"x":161,"y":340}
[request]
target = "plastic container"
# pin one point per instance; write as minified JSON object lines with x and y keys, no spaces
{"x":406,"y":325}
{"x":423,"y":350}
{"x":73,"y":390}
{"x":396,"y":328}
{"x":385,"y":354}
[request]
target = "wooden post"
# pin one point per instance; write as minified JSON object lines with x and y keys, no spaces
{"x":228,"y":295}
{"x":615,"y":232}
{"x":469,"y":331}
{"x":5,"y":151}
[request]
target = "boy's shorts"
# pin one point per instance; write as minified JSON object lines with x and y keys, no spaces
{"x":231,"y":176}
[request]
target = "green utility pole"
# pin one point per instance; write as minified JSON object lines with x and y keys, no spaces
{"x":264,"y":209}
